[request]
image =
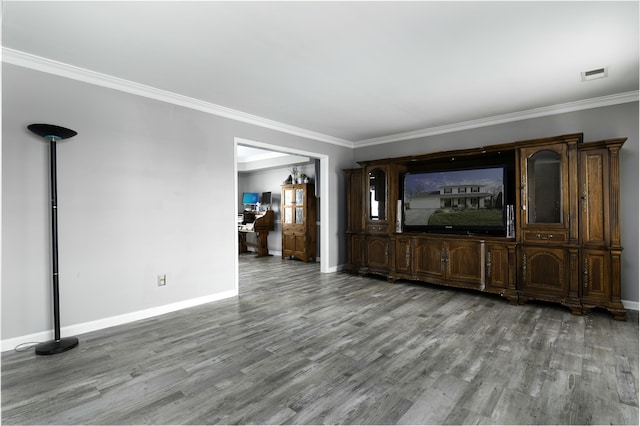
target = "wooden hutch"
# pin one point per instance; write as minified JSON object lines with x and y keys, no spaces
{"x":565,"y":247}
{"x":299,"y":221}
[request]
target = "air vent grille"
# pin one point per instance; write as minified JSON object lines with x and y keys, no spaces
{"x":595,"y":74}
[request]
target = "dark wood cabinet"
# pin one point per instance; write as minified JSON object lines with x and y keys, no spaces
{"x":595,"y":277}
{"x":430,"y":259}
{"x":543,"y":272}
{"x":450,"y":260}
{"x":497,"y":266}
{"x":378,"y":254}
{"x":464,"y":261}
{"x":299,"y":222}
{"x":475,"y":263}
{"x":566,"y":242}
{"x":355,"y":237}
{"x":599,"y":191}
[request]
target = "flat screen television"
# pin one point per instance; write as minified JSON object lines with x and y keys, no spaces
{"x":467,"y":201}
{"x":249,"y":198}
{"x":265,"y":198}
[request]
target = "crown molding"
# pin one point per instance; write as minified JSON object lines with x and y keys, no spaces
{"x":26,"y":60}
{"x":38,"y":63}
{"x":603,"y":101}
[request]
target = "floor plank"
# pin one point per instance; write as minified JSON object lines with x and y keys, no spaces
{"x":300,"y":347}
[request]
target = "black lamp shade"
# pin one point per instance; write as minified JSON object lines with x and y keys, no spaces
{"x":51,"y":130}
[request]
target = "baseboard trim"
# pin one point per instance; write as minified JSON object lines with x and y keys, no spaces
{"x":76,"y":329}
{"x":72,"y":330}
{"x":628,"y":304}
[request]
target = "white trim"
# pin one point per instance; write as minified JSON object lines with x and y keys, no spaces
{"x":603,"y":101}
{"x":26,"y":60}
{"x":630,"y":305}
{"x":324,"y":191}
{"x":236,"y":244}
{"x":76,"y":329}
{"x":335,"y":268}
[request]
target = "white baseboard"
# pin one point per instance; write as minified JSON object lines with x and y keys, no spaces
{"x":628,"y":304}
{"x":337,"y":268}
{"x":75,"y":329}
{"x":72,"y":330}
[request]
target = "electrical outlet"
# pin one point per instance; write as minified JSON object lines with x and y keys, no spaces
{"x":162,"y":280}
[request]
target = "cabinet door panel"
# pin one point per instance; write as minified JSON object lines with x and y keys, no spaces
{"x":288,"y":244}
{"x":300,"y":242}
{"x":497,"y":264}
{"x":544,"y":271}
{"x":596,"y":286}
{"x":464,"y":260}
{"x":378,"y":253}
{"x":430,"y":257}
{"x":594,"y":211}
{"x":356,"y":251}
{"x":544,"y":187}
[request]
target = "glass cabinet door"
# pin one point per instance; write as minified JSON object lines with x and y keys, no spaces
{"x":299,"y":216}
{"x":288,"y":215}
{"x":377,"y":194}
{"x":288,"y":196}
{"x":299,"y":197}
{"x":544,"y":188}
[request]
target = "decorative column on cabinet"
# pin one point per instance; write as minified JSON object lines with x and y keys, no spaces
{"x":355,"y":237}
{"x":599,"y":191}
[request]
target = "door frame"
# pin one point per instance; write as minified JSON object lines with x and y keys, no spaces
{"x":324,"y":196}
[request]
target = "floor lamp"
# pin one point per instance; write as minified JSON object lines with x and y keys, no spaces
{"x":53,"y":134}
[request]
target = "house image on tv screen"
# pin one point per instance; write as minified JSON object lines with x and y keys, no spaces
{"x":455,"y":198}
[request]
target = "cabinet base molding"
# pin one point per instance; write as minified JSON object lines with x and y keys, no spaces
{"x":575,"y":306}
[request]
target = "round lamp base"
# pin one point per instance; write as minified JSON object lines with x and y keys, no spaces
{"x":53,"y":347}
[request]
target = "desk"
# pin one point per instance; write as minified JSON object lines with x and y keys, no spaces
{"x":259,"y":223}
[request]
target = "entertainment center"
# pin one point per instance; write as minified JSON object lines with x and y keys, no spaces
{"x":535,"y":219}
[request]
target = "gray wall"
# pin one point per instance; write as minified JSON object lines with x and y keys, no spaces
{"x":596,"y":124}
{"x":145,"y":188}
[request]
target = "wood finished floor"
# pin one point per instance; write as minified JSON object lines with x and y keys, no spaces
{"x":299,"y":347}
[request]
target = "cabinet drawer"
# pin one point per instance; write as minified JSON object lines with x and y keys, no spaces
{"x":377,"y":229}
{"x":560,"y":236}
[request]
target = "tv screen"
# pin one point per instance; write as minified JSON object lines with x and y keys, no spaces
{"x":464,"y":201}
{"x":250,"y":198}
{"x":265,"y":198}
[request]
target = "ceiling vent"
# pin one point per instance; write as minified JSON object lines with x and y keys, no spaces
{"x":595,"y":74}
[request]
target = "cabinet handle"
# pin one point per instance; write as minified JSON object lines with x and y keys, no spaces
{"x":585,"y":198}
{"x":544,"y":237}
{"x":386,"y":252}
{"x":524,"y":268}
{"x":489,"y":264}
{"x":586,"y":272}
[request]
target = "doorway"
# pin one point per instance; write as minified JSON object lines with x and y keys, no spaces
{"x":295,"y":156}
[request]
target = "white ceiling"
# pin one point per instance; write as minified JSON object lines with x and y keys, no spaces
{"x":247,"y":154}
{"x":251,"y":159}
{"x":355,"y":72}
